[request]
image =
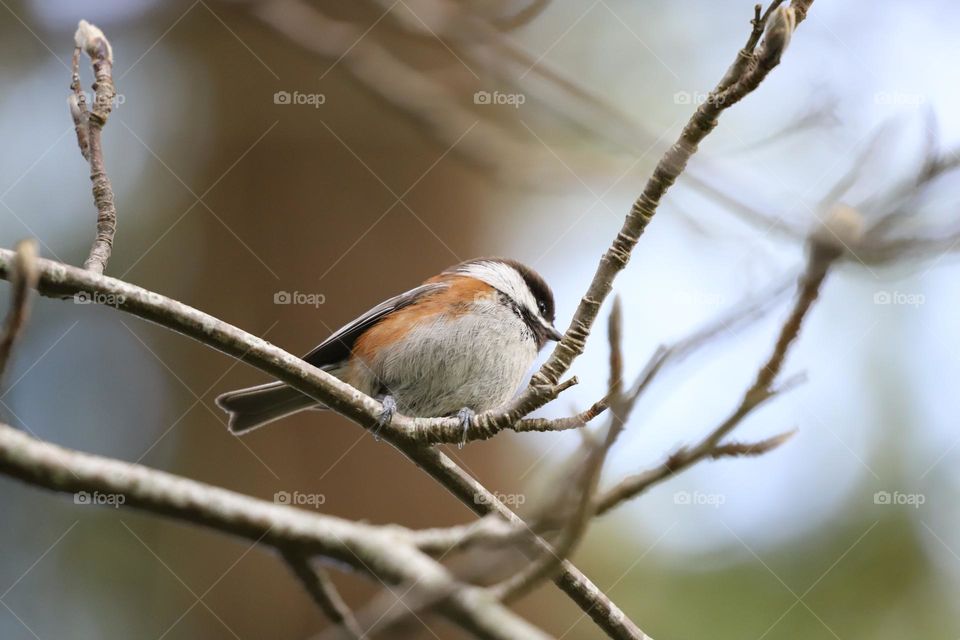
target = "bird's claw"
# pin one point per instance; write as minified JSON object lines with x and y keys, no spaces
{"x":466,"y":416}
{"x":386,"y":416}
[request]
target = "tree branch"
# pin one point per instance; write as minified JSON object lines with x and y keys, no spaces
{"x":324,"y":593}
{"x":728,"y":92}
{"x":473,"y":608}
{"x":822,"y":255}
{"x":366,"y":548}
{"x":89,"y":126}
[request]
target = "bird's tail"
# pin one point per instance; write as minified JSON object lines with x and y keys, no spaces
{"x":254,"y":407}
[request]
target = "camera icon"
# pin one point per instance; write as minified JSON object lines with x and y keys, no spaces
{"x":82,"y":297}
{"x":282,"y":97}
{"x":81,"y":497}
{"x":282,"y":297}
{"x":882,"y":297}
{"x":482,"y":97}
{"x":682,"y":497}
{"x":682,"y":97}
{"x":882,"y":497}
{"x":282,"y":497}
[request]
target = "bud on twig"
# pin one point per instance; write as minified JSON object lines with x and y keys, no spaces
{"x":841,"y":229}
{"x":89,"y":38}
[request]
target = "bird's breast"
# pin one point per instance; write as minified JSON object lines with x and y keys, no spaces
{"x":462,"y":348}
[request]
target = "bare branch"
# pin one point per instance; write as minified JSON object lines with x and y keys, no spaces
{"x":671,"y":165}
{"x":60,"y":280}
{"x":472,"y":608}
{"x":364,"y":547}
{"x":89,"y":125}
{"x":562,"y":424}
{"x":737,"y":449}
{"x":822,"y":256}
{"x":324,"y":593}
{"x":601,"y":609}
{"x":488,"y":530}
{"x":548,"y":562}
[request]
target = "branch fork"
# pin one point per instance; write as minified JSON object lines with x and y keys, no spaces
{"x":390,"y":553}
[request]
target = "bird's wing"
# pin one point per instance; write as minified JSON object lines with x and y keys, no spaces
{"x":337,"y":347}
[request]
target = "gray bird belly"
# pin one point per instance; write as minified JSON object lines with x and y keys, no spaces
{"x":477,"y":360}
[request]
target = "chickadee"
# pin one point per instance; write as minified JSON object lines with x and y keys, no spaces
{"x":458,"y":344}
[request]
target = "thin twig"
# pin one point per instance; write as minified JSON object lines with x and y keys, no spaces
{"x":668,"y":169}
{"x":324,"y":593}
{"x":808,"y":288}
{"x":549,"y":561}
{"x":89,"y":126}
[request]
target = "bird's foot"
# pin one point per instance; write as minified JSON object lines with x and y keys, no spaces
{"x":386,"y":416}
{"x":466,"y":416}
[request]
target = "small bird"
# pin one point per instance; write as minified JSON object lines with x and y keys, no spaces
{"x":458,"y":344}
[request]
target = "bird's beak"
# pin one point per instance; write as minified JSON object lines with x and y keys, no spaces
{"x":552,"y":333}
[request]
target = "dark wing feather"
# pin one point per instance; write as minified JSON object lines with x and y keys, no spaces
{"x":337,"y":347}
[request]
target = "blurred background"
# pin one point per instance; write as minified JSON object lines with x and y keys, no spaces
{"x":330,"y":155}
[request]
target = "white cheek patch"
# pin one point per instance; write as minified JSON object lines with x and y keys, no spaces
{"x":503,"y":278}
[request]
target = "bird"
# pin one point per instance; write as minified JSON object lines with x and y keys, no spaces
{"x":459,"y":344}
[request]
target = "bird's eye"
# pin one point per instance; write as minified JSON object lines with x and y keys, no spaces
{"x":542,"y":307}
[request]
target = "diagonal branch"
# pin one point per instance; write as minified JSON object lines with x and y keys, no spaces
{"x":820,"y":260}
{"x":740,"y":81}
{"x":324,"y":593}
{"x":367,"y":548}
{"x":548,"y":562}
{"x":474,"y":609}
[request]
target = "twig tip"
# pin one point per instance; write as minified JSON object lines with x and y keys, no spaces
{"x":90,"y":38}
